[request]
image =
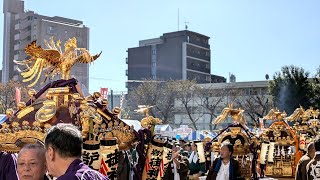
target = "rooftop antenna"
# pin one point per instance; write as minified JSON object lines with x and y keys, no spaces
{"x":178,"y":18}
{"x":186,"y":26}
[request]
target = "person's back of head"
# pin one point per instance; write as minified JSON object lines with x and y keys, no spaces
{"x":311,"y":150}
{"x":317,"y":143}
{"x":66,"y":139}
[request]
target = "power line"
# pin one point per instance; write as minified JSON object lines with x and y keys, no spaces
{"x":98,"y":78}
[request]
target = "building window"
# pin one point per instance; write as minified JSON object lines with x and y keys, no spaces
{"x":34,"y":36}
{"x":127,"y":72}
{"x":207,"y":65}
{"x":153,"y":52}
{"x":51,"y":30}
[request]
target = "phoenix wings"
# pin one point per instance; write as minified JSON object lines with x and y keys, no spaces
{"x":237,"y":115}
{"x":52,"y":59}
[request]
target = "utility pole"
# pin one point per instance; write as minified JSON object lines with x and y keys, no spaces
{"x":111,"y":98}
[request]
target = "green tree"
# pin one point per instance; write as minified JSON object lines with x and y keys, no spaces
{"x":315,"y":94}
{"x":291,"y":88}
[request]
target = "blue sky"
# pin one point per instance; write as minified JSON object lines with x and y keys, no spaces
{"x":249,"y":38}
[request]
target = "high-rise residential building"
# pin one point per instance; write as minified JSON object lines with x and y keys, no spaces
{"x":22,"y":27}
{"x":177,"y":55}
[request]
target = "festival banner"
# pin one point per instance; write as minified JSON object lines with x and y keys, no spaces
{"x":166,"y":159}
{"x":104,"y":93}
{"x":18,"y":95}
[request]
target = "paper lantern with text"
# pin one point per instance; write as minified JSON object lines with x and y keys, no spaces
{"x":110,"y":157}
{"x":91,"y":154}
{"x":154,"y":161}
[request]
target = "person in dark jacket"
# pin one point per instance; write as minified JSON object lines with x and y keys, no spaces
{"x":63,"y":145}
{"x":301,"y":170}
{"x":225,"y":167}
{"x":178,"y":168}
{"x":313,"y":166}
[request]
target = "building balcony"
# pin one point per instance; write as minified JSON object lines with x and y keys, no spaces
{"x":16,"y":46}
{"x":25,"y":35}
{"x":17,"y":16}
{"x":17,"y":26}
{"x":199,"y":43}
{"x":17,"y":36}
{"x":22,"y":25}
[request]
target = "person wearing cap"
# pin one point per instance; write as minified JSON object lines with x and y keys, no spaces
{"x":225,"y":167}
{"x":63,"y":144}
{"x":196,"y":168}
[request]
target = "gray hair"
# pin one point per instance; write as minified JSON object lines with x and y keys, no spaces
{"x":38,"y":147}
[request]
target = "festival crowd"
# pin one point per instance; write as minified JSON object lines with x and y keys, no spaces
{"x":60,"y":158}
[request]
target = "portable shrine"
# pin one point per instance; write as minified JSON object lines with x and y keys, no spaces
{"x":62,"y":100}
{"x":245,"y":143}
{"x":280,"y":152}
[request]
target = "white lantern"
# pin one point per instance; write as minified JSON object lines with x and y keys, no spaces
{"x":271,"y":152}
{"x":264,"y":148}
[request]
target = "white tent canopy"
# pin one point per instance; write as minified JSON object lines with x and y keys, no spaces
{"x":163,"y":127}
{"x":135,"y":123}
{"x":3,"y":118}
